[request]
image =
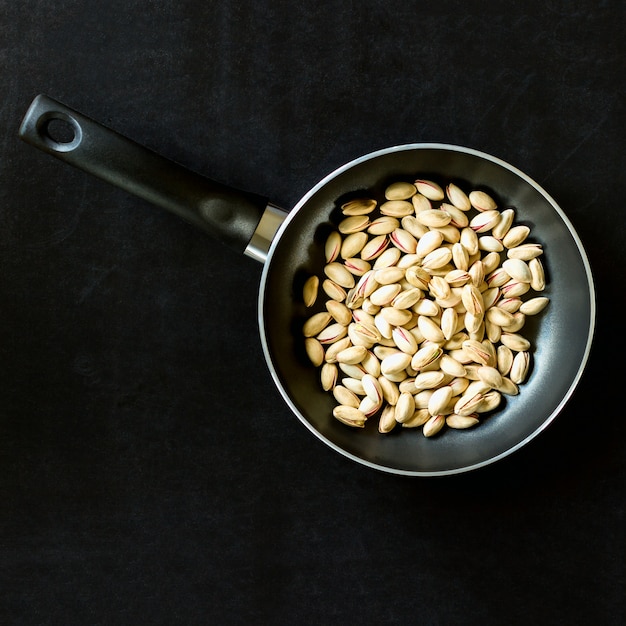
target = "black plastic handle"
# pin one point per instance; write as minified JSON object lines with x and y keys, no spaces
{"x":227,"y":214}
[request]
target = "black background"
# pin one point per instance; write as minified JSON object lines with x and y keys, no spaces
{"x":150,"y":473}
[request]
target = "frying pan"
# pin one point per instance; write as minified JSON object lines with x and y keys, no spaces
{"x":291,"y":248}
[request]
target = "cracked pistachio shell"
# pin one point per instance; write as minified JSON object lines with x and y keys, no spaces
{"x":537,"y":276}
{"x":332,"y":246}
{"x":374,"y":247}
{"x":420,"y":203}
{"x":515,"y":236}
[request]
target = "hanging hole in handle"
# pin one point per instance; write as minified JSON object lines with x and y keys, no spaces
{"x":59,"y":131}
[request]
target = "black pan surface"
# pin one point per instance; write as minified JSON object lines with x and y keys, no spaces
{"x":561,"y":335}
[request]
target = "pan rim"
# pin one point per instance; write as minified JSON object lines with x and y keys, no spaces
{"x":412,"y":147}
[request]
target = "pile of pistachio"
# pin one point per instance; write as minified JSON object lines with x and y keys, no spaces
{"x":423,"y":308}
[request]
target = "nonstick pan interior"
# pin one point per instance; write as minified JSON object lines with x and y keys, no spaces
{"x":561,"y":335}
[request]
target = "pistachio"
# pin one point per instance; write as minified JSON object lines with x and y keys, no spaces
{"x":451,"y":366}
{"x":484,"y":222}
{"x":504,"y":359}
{"x":490,"y":244}
{"x":395,"y":363}
{"x":332,"y":333}
{"x":367,"y":284}
{"x":537,"y":276}
{"x":508,"y":387}
{"x":433,"y":217}
{"x":458,"y":197}
{"x":439,"y":400}
{"x":339,"y":274}
{"x":396,"y":208}
{"x":504,"y":224}
{"x":383,"y":225}
{"x":426,"y":356}
{"x":469,"y":240}
{"x":499,"y":316}
{"x":405,"y":407}
{"x":315,"y":324}
{"x":429,"y":242}
{"x":433,"y":425}
{"x":352,"y":355}
{"x":395,"y":316}
{"x":387,"y":421}
{"x":411,"y":224}
{"x":372,"y":388}
{"x":389,"y":275}
{"x":491,"y":401}
{"x":353,"y":244}
{"x":428,"y":380}
{"x":354,"y":385}
{"x":388,"y":258}
{"x":515,"y":236}
{"x":314,"y":350}
{"x":467,"y":403}
{"x":385,"y":294}
{"x":437,"y":258}
{"x":369,"y":407}
{"x":430,"y":330}
{"x":357,"y":266}
{"x":364,"y":334}
{"x":358,"y":206}
{"x":517,"y":269}
{"x":309,"y":290}
{"x":429,"y":189}
{"x":420,"y":203}
{"x":335,"y":348}
{"x":404,"y":340}
{"x":454,"y":420}
{"x":519,"y":368}
{"x":534,"y":305}
{"x":407,"y":298}
{"x":482,"y":201}
{"x":472,"y":300}
{"x":353,"y":224}
{"x":419,"y":418}
{"x":490,"y":376}
{"x":328,"y":376}
{"x":390,"y":390}
{"x":418,"y":277}
{"x":350,"y":416}
{"x":525,"y":252}
{"x":374,"y":247}
{"x":400,"y":191}
{"x":346,"y":397}
{"x":333,"y":290}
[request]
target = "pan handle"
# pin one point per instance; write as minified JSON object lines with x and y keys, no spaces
{"x":242,"y":220}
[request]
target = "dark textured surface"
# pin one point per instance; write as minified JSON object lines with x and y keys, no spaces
{"x":149,"y":471}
